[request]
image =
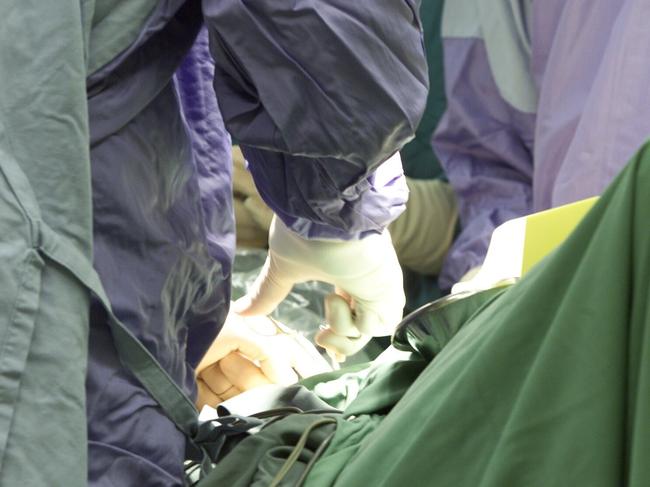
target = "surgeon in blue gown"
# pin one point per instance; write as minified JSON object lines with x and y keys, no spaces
{"x":319,"y":95}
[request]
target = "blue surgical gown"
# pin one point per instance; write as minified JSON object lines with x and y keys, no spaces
{"x":318,"y":94}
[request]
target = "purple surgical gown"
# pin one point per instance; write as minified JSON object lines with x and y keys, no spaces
{"x":547,"y":102}
{"x":319,"y":94}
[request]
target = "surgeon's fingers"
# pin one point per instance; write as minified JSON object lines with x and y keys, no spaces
{"x":342,"y":336}
{"x":273,"y":363}
{"x":215,"y":379}
{"x":339,"y":316}
{"x":269,"y":289}
{"x":340,"y":345}
{"x":231,"y":392}
{"x":278,"y":370}
{"x":205,"y":395}
{"x":217,"y":382}
{"x":368,"y":320}
{"x":242,"y":373}
{"x":304,"y":357}
{"x":338,"y":357}
{"x":224,"y":344}
{"x":344,"y":294}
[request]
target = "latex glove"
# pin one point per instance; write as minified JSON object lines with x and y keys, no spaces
{"x":252,"y":216}
{"x":423,"y":233}
{"x":366,"y":274}
{"x":251,"y":352}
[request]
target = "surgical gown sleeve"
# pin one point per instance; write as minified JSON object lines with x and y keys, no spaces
{"x":593,"y":117}
{"x":484,"y":140}
{"x":319,"y":94}
{"x":45,"y":243}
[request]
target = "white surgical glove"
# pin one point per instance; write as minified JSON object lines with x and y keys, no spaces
{"x":251,"y":352}
{"x":423,"y":233}
{"x":366,"y":274}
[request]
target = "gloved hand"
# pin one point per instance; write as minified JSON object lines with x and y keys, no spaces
{"x":252,"y":216}
{"x":250,"y":352}
{"x":369,"y":296}
{"x":423,"y":233}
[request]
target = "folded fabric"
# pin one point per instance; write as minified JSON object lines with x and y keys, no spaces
{"x":546,"y":385}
